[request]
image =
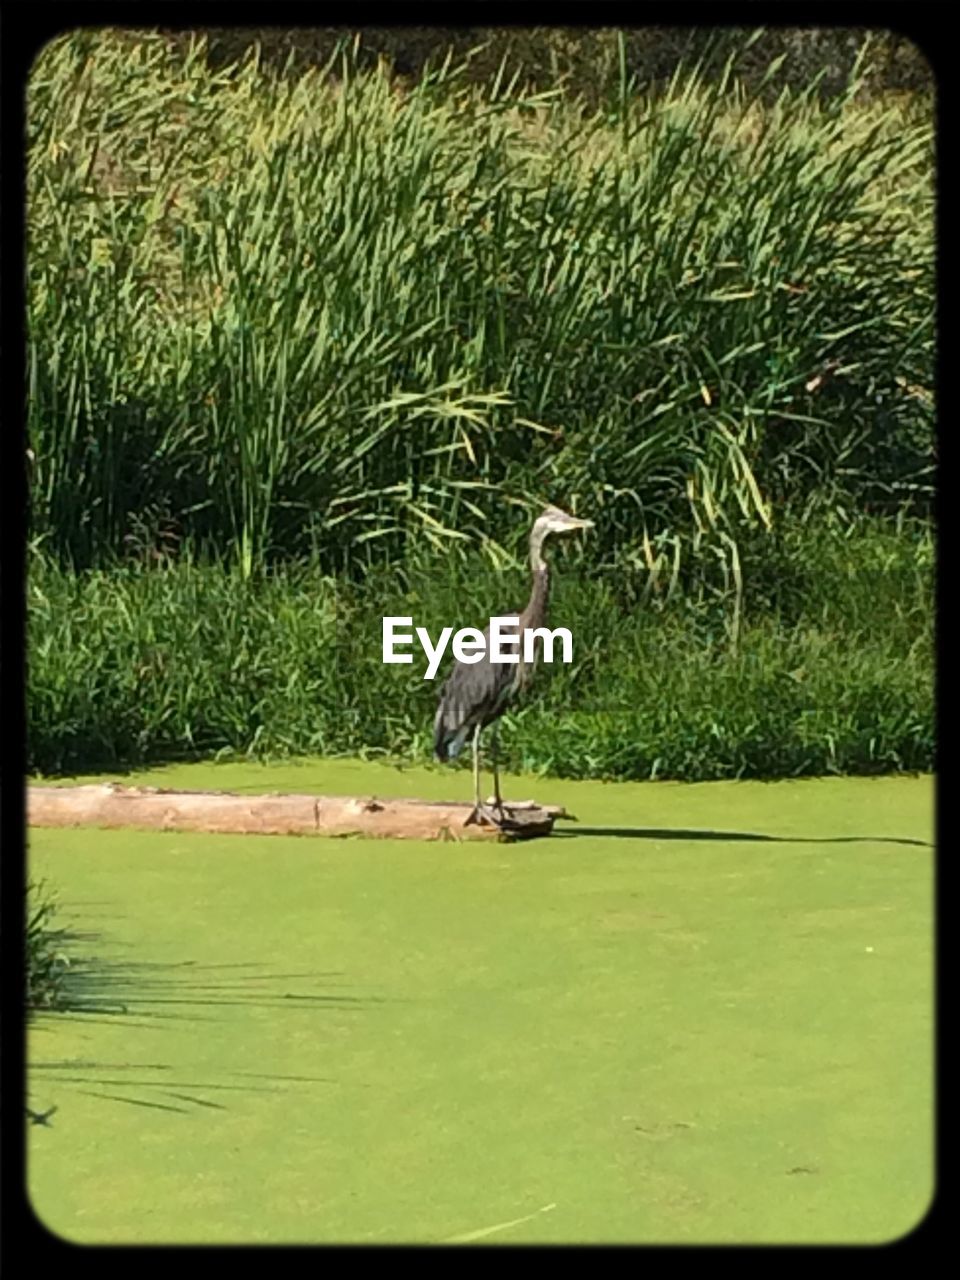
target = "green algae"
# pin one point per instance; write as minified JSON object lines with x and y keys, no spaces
{"x":701,"y":1013}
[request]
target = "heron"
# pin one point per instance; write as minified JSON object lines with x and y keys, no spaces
{"x":477,"y":694}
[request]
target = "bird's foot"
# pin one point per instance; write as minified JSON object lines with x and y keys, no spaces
{"x":486,"y":815}
{"x":495,"y":805}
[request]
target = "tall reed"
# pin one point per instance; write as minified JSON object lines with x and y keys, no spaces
{"x":318,"y":313}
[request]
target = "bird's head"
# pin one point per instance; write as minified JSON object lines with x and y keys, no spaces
{"x":553,"y":520}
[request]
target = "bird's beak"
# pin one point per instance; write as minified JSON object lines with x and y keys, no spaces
{"x":584,"y":524}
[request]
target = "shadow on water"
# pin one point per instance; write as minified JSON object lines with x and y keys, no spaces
{"x":676,"y":833}
{"x":162,"y":996}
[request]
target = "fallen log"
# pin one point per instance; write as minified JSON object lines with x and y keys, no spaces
{"x":154,"y":808}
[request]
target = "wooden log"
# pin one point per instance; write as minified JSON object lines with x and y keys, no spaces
{"x":154,"y":808}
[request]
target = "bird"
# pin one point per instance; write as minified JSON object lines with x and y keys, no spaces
{"x":477,"y":694}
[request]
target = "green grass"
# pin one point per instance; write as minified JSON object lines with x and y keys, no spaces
{"x":46,"y":959}
{"x":823,"y":663}
{"x":340,"y":339}
{"x":704,"y":1013}
{"x":271,"y":314}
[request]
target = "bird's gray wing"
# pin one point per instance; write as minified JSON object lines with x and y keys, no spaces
{"x":474,"y":693}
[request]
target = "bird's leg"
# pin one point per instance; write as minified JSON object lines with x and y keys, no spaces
{"x":497,"y":798}
{"x":476,"y":767}
{"x":476,"y":815}
{"x":481,"y":813}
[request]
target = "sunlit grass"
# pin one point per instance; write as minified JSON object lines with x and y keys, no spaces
{"x":827,"y":666}
{"x":300,"y":312}
{"x":45,"y":960}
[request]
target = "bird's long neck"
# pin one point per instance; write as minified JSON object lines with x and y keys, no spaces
{"x":536,"y":611}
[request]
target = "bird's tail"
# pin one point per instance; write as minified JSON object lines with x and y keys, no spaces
{"x":448,"y":739}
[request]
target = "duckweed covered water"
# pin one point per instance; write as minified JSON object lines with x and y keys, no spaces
{"x":702,"y":1013}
